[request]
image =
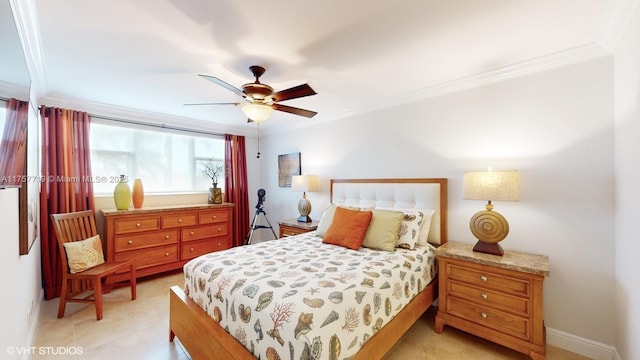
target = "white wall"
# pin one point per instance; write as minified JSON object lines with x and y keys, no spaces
{"x":20,"y":282}
{"x":627,"y":130}
{"x":556,"y":127}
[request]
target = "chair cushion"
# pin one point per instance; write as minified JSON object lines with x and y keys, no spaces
{"x":84,"y":254}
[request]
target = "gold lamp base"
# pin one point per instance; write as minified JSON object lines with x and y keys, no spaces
{"x":489,"y":227}
{"x":304,"y":208}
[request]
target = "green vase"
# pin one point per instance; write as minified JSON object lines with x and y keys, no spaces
{"x":122,"y":194}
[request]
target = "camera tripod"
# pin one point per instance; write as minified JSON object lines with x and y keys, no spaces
{"x":254,"y":227}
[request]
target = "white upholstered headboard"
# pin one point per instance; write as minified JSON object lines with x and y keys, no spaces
{"x":428,"y":194}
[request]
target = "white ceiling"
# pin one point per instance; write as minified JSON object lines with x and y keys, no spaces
{"x":356,"y":54}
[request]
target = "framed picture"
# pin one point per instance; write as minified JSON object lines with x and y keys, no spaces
{"x":29,"y":194}
{"x":288,"y":165}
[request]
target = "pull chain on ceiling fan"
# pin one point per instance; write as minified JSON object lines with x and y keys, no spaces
{"x":261,"y":101}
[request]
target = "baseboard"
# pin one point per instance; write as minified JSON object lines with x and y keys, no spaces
{"x":579,"y":345}
{"x":34,"y":325}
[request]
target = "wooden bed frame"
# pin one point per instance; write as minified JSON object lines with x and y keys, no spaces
{"x":203,"y":338}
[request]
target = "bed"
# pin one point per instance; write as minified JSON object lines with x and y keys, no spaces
{"x":302,"y":299}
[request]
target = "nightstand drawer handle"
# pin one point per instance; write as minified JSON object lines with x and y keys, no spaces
{"x":180,"y":220}
{"x":214,"y":217}
{"x":484,"y":296}
{"x":138,"y":225}
{"x":484,"y":315}
{"x":219,"y":229}
{"x":130,"y":242}
{"x":166,"y":254}
{"x":167,"y":237}
{"x":483,"y":278}
{"x":191,"y":249}
{"x":191,"y":233}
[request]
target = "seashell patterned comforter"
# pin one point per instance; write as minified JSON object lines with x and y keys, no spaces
{"x":297,"y":298}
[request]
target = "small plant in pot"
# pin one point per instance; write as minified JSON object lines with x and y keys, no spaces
{"x":213,"y":169}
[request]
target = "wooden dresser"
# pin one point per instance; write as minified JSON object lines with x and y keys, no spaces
{"x":292,"y":227}
{"x":498,"y":298}
{"x":159,"y":239}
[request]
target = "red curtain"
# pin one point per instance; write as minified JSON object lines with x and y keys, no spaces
{"x":65,"y":166}
{"x":236,"y":186}
{"x":14,"y":139}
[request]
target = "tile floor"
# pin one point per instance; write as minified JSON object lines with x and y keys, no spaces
{"x":139,"y":330}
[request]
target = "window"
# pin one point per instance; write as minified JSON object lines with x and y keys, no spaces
{"x":165,"y":161}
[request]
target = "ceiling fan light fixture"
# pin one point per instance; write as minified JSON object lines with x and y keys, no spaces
{"x":257,"y":112}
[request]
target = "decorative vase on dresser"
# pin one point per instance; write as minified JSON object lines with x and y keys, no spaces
{"x":137,"y":194}
{"x":498,"y":298}
{"x":122,"y":194}
{"x":215,"y":194}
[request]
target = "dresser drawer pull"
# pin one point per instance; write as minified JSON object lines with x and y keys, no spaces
{"x":219,"y":229}
{"x":219,"y":244}
{"x":130,"y":242}
{"x":484,"y":296}
{"x":138,"y":225}
{"x":180,"y":220}
{"x":484,"y":315}
{"x":166,"y":254}
{"x":167,"y":237}
{"x":192,"y":249}
{"x":483,"y":278}
{"x":191,"y":233}
{"x":214,"y":217}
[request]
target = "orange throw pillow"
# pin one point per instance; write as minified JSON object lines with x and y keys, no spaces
{"x":348,"y":228}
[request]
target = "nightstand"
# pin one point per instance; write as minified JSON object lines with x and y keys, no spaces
{"x":498,"y":298}
{"x":290,"y":227}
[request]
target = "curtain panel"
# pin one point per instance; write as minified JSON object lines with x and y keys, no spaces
{"x":236,"y":186}
{"x":66,"y":170}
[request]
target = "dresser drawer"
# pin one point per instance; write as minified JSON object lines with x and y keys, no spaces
{"x":172,"y":221}
{"x":150,"y":257}
{"x":202,"y":232}
{"x":139,"y":241}
{"x":502,"y":321}
{"x":196,"y":248}
{"x":126,"y":226}
{"x":486,"y":278}
{"x":488,"y":297}
{"x":213,"y":216}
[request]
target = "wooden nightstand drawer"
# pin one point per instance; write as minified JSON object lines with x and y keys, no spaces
{"x":291,"y":231}
{"x":140,"y":241}
{"x":291,"y":227}
{"x":488,"y":297}
{"x":489,"y":278}
{"x":503,"y":321}
{"x":126,"y":226}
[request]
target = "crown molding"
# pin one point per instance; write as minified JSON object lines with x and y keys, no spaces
{"x":26,"y":18}
{"x":113,"y":112}
{"x":8,"y":91}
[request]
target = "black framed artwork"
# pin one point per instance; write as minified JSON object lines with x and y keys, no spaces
{"x":288,"y":166}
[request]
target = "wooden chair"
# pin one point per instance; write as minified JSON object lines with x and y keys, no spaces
{"x":78,"y":226}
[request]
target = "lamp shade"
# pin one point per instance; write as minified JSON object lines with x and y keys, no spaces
{"x":491,"y":185}
{"x":257,"y":112}
{"x":306,"y":183}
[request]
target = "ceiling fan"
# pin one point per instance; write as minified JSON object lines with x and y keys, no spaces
{"x":260,"y":98}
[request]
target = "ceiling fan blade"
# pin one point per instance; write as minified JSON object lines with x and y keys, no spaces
{"x":294,"y":110}
{"x":293,"y":93}
{"x":227,"y":103}
{"x":224,"y":84}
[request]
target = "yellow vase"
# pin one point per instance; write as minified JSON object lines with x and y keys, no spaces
{"x":122,"y":194}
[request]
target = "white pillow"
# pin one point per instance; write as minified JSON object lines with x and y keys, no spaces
{"x":326,"y":219}
{"x":410,"y":229}
{"x":425,"y":227}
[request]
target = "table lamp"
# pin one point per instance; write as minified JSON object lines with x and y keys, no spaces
{"x":489,"y":226}
{"x":304,"y":183}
